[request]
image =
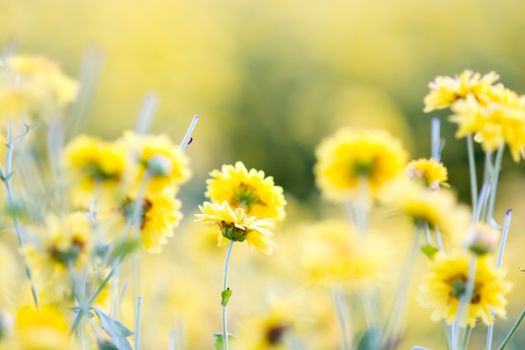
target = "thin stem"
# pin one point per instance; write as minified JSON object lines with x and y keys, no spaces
{"x":439,"y":239}
{"x":495,"y":180}
{"x":472,"y":171}
{"x":464,"y":301}
{"x":503,"y":241}
{"x":6,"y":179}
{"x":173,"y":340}
{"x":342,"y":317}
{"x":187,"y":137}
{"x":483,"y":195}
{"x":436,"y":143}
{"x":513,"y":330}
{"x":137,"y":323}
{"x":224,"y":287}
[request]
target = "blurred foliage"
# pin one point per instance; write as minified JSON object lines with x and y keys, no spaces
{"x":270,"y":78}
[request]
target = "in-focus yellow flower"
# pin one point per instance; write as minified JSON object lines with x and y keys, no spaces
{"x":166,"y":164}
{"x":235,"y":225}
{"x":444,"y":91}
{"x":248,"y":189}
{"x":265,"y":332}
{"x":30,"y":85}
{"x":350,"y":156}
{"x":437,"y":209}
{"x":96,"y":167}
{"x":159,"y":217}
{"x":334,"y":253}
{"x":446,"y":282}
{"x":432,"y":173}
{"x":46,"y":329}
{"x":501,"y":121}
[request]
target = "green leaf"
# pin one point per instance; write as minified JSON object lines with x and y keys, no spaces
{"x":371,"y":340}
{"x":225,"y":296}
{"x":123,"y":248}
{"x":429,"y":250}
{"x":219,"y":344}
{"x":116,"y":330}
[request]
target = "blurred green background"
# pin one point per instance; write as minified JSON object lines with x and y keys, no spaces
{"x":271,"y":78}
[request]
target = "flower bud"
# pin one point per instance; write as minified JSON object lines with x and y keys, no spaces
{"x":482,"y":239}
{"x":159,"y":165}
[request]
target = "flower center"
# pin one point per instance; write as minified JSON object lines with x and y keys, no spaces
{"x":245,"y":196}
{"x":458,"y":286}
{"x":275,"y":334}
{"x":96,"y":172}
{"x":233,"y":232}
{"x":69,"y":255}
{"x":129,"y":209}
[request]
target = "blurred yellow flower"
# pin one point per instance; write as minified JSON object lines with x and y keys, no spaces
{"x":30,"y":85}
{"x":267,"y":331}
{"x":444,"y":91}
{"x":334,"y":253}
{"x":349,"y":156}
{"x":494,"y":124}
{"x":432,"y":173}
{"x":46,"y":329}
{"x":446,"y":282}
{"x":235,"y":225}
{"x":159,"y":217}
{"x":248,"y":189}
{"x":438,"y":209}
{"x":166,"y":164}
{"x":96,"y":168}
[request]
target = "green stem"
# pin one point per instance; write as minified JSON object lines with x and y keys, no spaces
{"x":472,"y":171}
{"x":513,"y":330}
{"x":224,"y":287}
{"x":495,"y":179}
{"x":464,"y":303}
{"x":137,"y":323}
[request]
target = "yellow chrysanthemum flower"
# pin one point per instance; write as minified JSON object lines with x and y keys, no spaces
{"x":438,"y":209}
{"x":502,"y":121}
{"x":30,"y":85}
{"x":432,"y":173}
{"x":159,"y":217}
{"x":444,"y":91}
{"x":96,"y":167}
{"x":334,"y":253}
{"x":46,"y":329}
{"x":446,"y":282}
{"x":265,"y":332}
{"x":349,"y":156}
{"x":235,"y":225}
{"x":66,"y":243}
{"x":248,"y":189}
{"x":166,"y":164}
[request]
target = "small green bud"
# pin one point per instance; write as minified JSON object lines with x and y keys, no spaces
{"x":159,"y":165}
{"x":225,"y":296}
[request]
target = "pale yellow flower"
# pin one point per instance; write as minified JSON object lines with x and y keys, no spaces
{"x":165,"y":163}
{"x":334,"y":253}
{"x":446,"y":282}
{"x":235,"y":225}
{"x":350,"y":157}
{"x":444,"y":91}
{"x":432,"y":173}
{"x":96,"y":168}
{"x":250,"y":189}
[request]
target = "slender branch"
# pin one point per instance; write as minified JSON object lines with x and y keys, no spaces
{"x":6,"y":179}
{"x":340,"y":308}
{"x":187,"y":137}
{"x":495,"y":180}
{"x":225,"y":287}
{"x":472,"y":171}
{"x":137,"y":323}
{"x":502,"y":243}
{"x":513,"y":330}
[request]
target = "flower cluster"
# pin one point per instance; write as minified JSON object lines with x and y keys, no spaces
{"x":492,"y":113}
